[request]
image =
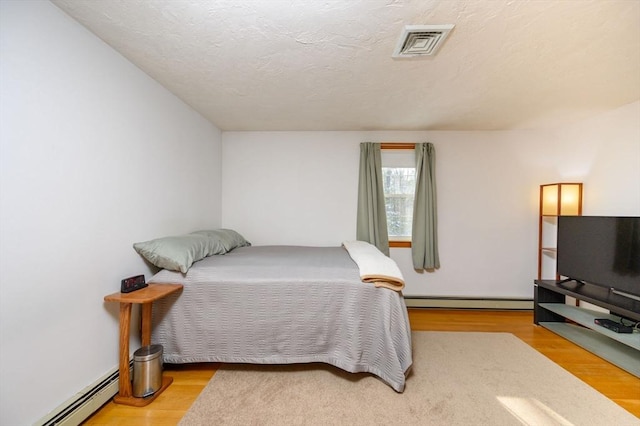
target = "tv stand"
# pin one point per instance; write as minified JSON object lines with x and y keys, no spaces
{"x":551,"y":312}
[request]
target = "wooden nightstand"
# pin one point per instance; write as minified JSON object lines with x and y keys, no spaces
{"x":144,"y":297}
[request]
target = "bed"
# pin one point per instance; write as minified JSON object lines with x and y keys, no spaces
{"x":284,"y":305}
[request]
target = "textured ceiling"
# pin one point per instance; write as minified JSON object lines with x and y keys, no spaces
{"x":327,"y":65}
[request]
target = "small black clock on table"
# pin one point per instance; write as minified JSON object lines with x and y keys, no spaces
{"x":132,"y":284}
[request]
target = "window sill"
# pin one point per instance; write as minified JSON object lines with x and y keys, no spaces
{"x":401,"y":244}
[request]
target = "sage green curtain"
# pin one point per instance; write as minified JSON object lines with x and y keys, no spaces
{"x":424,"y":235}
{"x":372,"y":218}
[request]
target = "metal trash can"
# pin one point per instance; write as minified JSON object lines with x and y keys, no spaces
{"x":147,"y":370}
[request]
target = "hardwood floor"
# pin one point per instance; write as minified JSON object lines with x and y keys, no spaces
{"x":618,"y":385}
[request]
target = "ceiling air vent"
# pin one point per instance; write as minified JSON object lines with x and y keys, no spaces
{"x":421,"y":40}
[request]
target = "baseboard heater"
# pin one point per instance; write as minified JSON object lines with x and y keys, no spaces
{"x":82,"y":405}
{"x":468,"y":303}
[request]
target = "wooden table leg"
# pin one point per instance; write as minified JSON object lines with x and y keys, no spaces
{"x":146,"y":324}
{"x":125,"y":324}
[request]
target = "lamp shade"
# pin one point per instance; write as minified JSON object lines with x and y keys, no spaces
{"x":561,"y":199}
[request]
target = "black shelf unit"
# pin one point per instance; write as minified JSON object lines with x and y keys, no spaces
{"x":551,"y":312}
{"x":596,"y":295}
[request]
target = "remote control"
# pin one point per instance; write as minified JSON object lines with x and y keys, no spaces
{"x":613,"y":326}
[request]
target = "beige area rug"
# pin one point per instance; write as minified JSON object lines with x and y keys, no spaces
{"x":458,"y":378}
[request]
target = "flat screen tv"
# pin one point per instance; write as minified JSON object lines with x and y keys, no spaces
{"x":601,"y":250}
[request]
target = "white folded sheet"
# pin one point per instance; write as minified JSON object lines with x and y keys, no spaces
{"x":374,"y":266}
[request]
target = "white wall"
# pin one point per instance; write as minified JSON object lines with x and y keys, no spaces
{"x":608,"y":149}
{"x":94,"y":156}
{"x":300,"y":188}
{"x":290,"y":187}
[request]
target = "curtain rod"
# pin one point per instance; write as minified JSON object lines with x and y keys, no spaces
{"x":397,"y":145}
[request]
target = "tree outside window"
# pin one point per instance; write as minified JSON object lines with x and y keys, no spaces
{"x":399,"y":187}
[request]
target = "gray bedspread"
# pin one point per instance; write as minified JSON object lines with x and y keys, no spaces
{"x":284,"y":305}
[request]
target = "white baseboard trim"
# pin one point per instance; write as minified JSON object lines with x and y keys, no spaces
{"x":468,"y":303}
{"x":79,"y":407}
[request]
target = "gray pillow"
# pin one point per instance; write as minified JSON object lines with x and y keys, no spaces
{"x":228,"y":238}
{"x":180,"y":252}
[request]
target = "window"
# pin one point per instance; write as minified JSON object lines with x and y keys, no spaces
{"x":399,"y":184}
{"x":399,"y":181}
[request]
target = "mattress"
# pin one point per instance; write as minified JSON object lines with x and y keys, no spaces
{"x":284,"y":305}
